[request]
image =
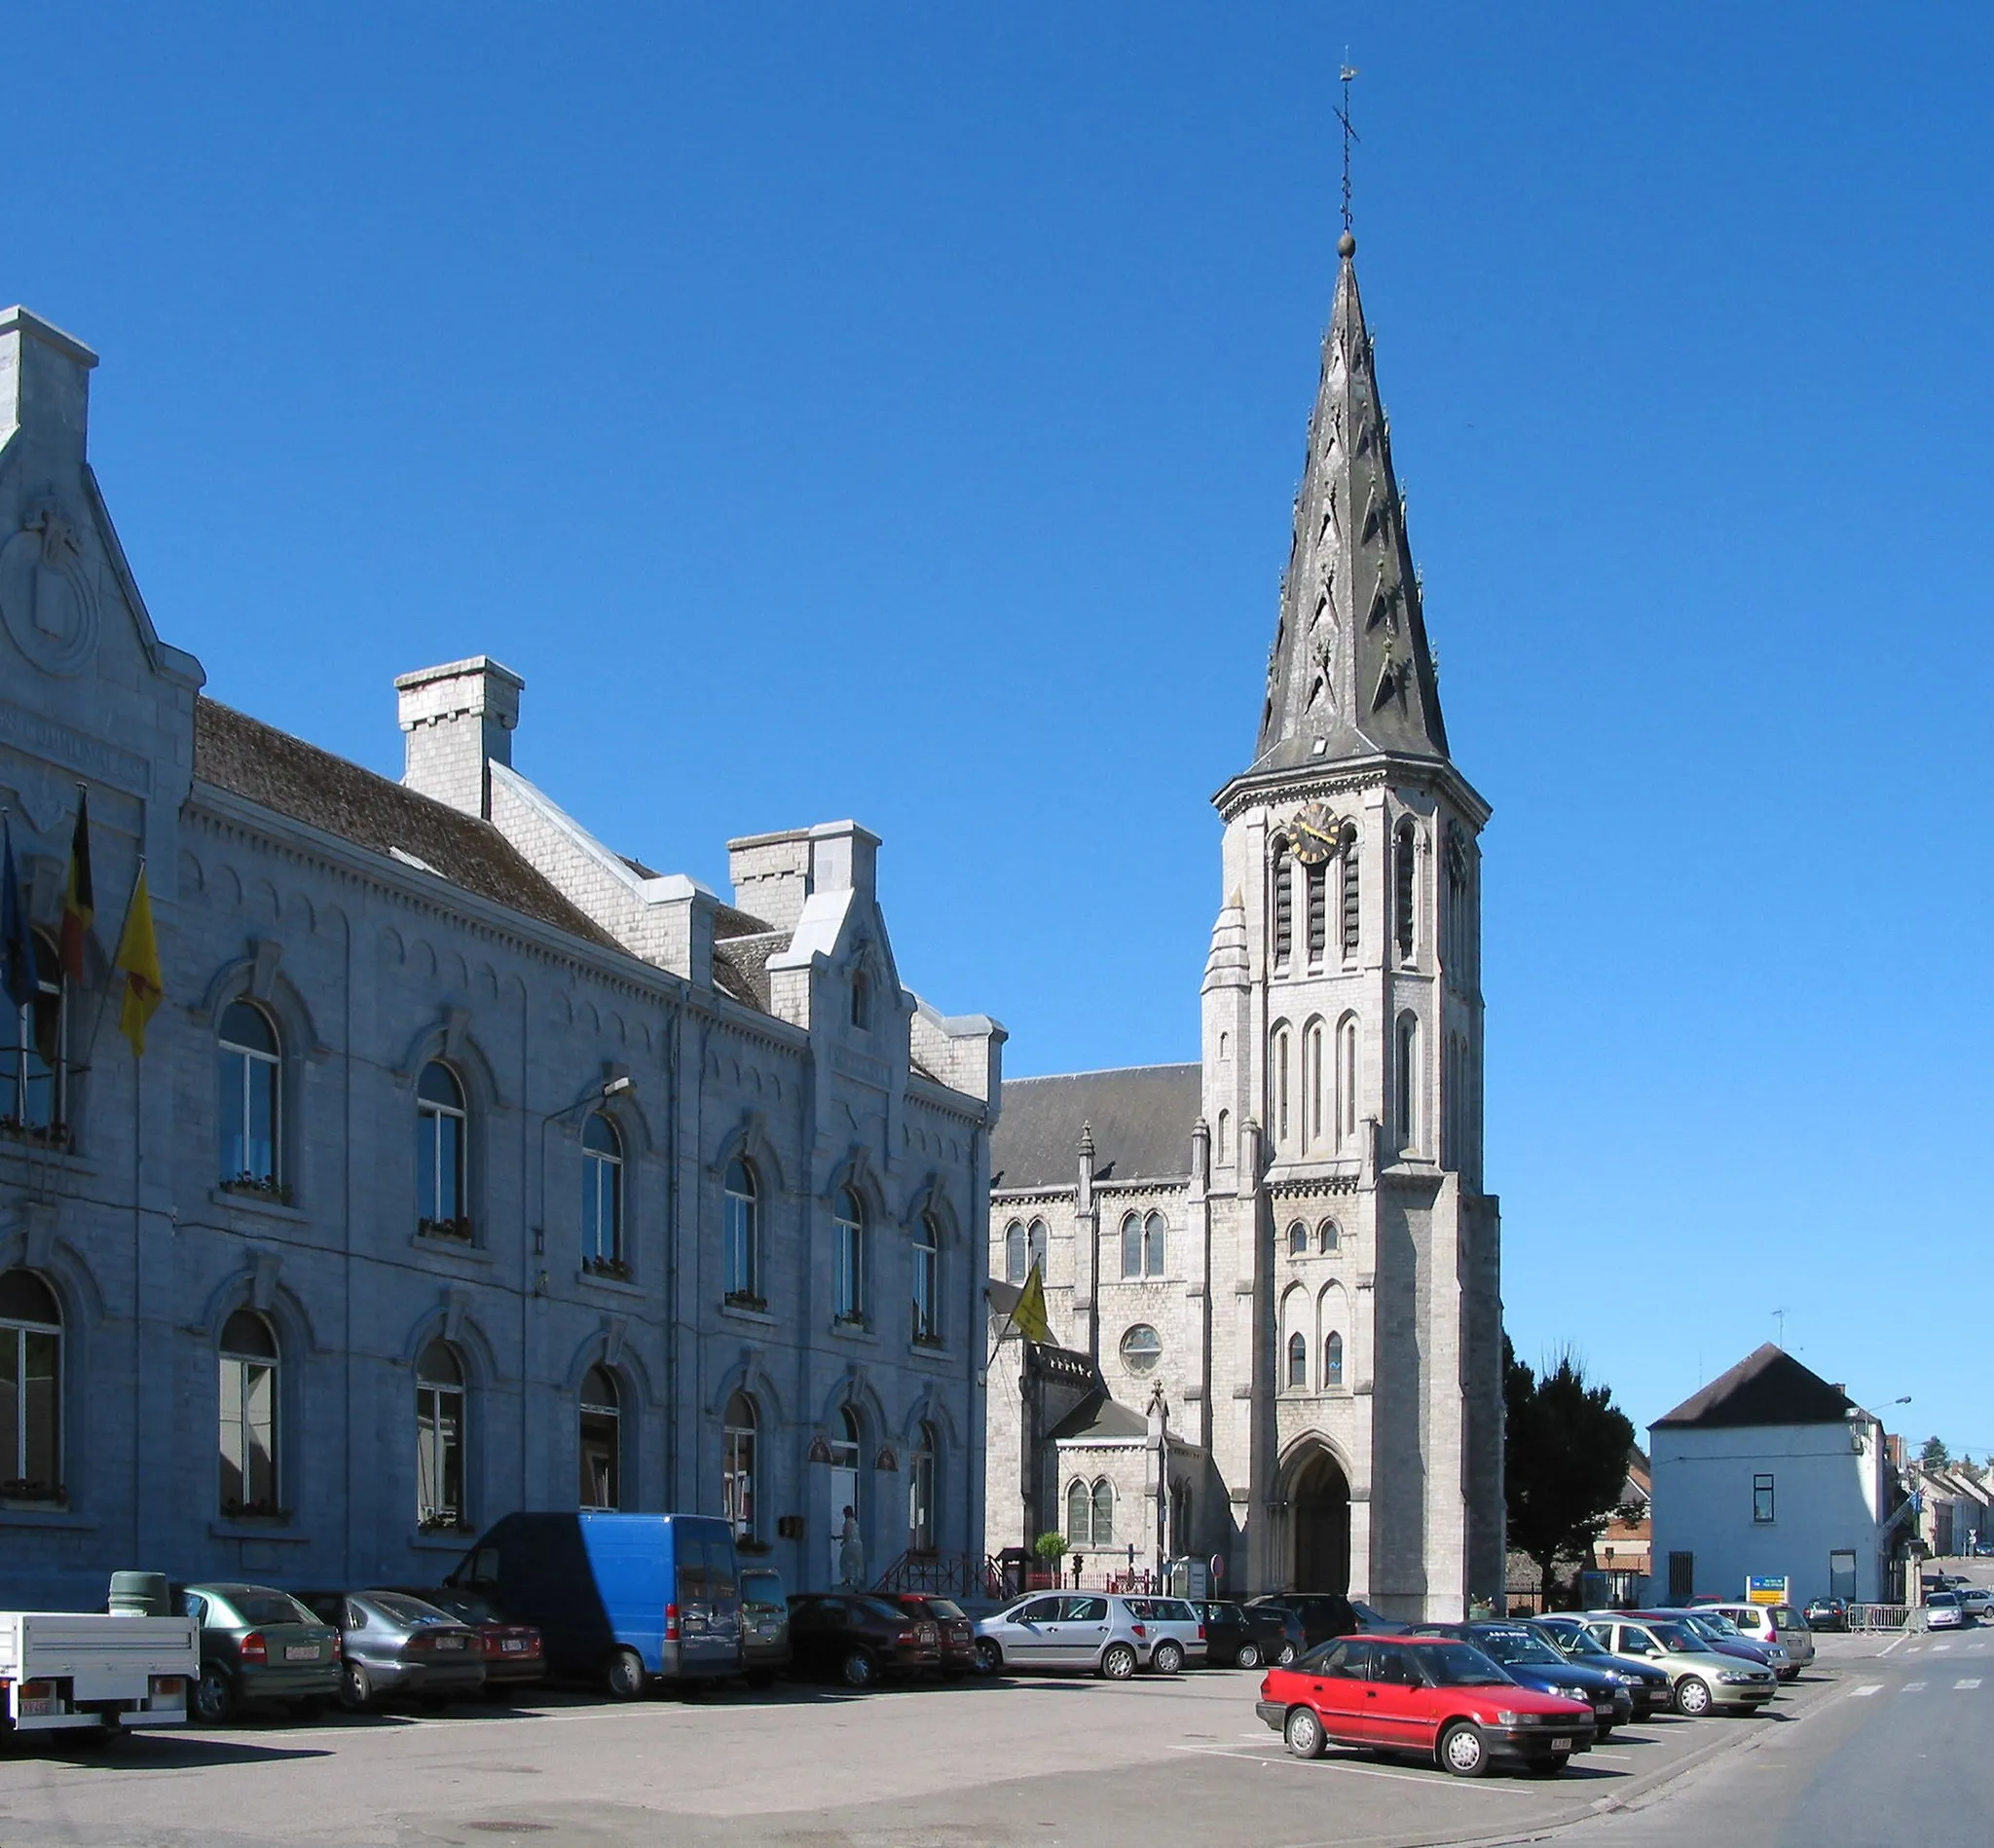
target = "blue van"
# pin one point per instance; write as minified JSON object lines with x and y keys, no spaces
{"x":620,"y":1599}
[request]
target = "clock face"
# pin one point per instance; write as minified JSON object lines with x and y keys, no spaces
{"x":1315,"y":832}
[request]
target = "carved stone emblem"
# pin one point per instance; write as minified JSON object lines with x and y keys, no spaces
{"x":47,"y":598}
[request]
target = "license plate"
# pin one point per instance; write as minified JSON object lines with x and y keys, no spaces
{"x":513,"y":1646}
{"x":1604,"y":1707}
{"x":37,"y":1707}
{"x":1561,"y":1744}
{"x":301,"y":1652}
{"x":450,"y":1643}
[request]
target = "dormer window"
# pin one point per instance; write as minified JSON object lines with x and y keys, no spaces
{"x":862,"y":1000}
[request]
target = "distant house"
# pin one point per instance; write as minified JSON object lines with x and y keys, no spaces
{"x":1624,"y":1550}
{"x":1770,"y":1470}
{"x":1953,"y":1509}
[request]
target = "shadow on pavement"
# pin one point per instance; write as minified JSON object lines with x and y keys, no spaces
{"x":161,"y":1751}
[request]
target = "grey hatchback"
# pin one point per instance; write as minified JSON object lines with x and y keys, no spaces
{"x":393,"y":1643}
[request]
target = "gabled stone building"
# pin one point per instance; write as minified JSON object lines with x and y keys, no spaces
{"x":471,"y":1166}
{"x":1281,"y":1262}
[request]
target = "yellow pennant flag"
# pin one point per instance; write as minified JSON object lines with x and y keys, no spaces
{"x":139,"y":962}
{"x":1028,"y":1317}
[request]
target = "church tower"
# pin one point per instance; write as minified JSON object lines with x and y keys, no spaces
{"x":1342,"y":1072}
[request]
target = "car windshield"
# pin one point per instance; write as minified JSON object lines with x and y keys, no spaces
{"x":464,"y":1604}
{"x":1943,"y":1599}
{"x":1712,"y":1623}
{"x":762,"y":1586}
{"x":1677,"y":1635}
{"x":268,"y":1606}
{"x":878,"y":1608}
{"x":1458,"y":1665}
{"x":407,"y":1610}
{"x":1517,"y":1647}
{"x":945,"y":1608}
{"x":1574,"y":1643}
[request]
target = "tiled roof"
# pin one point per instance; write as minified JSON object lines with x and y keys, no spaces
{"x":291,"y":777}
{"x":1097,"y":1416}
{"x":1768,"y":1387}
{"x":1140,"y":1118}
{"x":740,"y":963}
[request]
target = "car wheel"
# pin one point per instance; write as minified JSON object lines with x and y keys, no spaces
{"x":626,"y":1675}
{"x":1248,"y":1657}
{"x":356,"y":1689}
{"x":214,"y":1698}
{"x":1167,"y":1660}
{"x":858,"y":1669}
{"x":1285,"y":1654}
{"x":1462,"y":1752}
{"x":1118,"y":1661}
{"x":1303,"y":1734}
{"x":989,"y":1657}
{"x":1692,"y":1697}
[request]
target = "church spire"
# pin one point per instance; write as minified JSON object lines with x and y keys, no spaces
{"x":1350,"y":674}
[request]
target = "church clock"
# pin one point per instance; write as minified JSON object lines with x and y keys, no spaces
{"x":1315,"y":834}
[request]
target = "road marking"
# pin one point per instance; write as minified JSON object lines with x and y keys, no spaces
{"x":1898,"y":1645}
{"x":1912,"y":1687}
{"x":1868,"y":1687}
{"x":1938,"y":1646}
{"x":1434,"y":1780}
{"x":1971,"y":1682}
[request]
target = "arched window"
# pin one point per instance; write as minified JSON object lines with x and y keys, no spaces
{"x":1353,"y":917}
{"x":1035,"y":1246}
{"x":247,"y":1060}
{"x":1153,"y":1229}
{"x":1346,"y":1078}
{"x":1014,"y":1264}
{"x":921,"y":1492}
{"x":1141,"y":1348}
{"x":1332,"y":1360}
{"x":1298,"y":1240}
{"x":1319,"y":912}
{"x":1329,"y":1237}
{"x":1079,"y":1514}
{"x":927,"y":1280}
{"x":1312,"y":1074}
{"x":35,"y":1080}
{"x":1298,"y":1362}
{"x":1224,"y":1138}
{"x":1284,"y":905}
{"x":602,"y":1196}
{"x":1405,"y":884}
{"x":1132,"y":1246}
{"x":248,"y":1415}
{"x":743,"y":1235}
{"x":1277,"y":1079}
{"x":1104,"y":1513}
{"x":439,"y":1437}
{"x":30,"y":1390}
{"x":737,"y":1464}
{"x":440,"y":1152}
{"x":848,"y":1258}
{"x":602,"y":1445}
{"x":862,"y":999}
{"x":1406,"y":1086}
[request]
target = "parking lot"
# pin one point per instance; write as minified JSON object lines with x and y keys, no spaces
{"x":1047,"y":1761}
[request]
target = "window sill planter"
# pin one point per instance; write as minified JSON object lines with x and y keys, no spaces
{"x":852,"y":1328}
{"x":934,"y":1344}
{"x":46,"y":1498}
{"x":616,"y":1269}
{"x":255,"y":1511}
{"x":736,"y":1308}
{"x":443,"y":1520}
{"x":258,"y":1188}
{"x":746,"y":1299}
{"x":457,"y":1230}
{"x":40,"y":1135}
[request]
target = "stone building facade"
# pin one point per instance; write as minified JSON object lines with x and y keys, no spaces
{"x":471,"y":1164}
{"x":1274,"y":1275}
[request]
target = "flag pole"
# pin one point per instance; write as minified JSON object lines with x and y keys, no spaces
{"x":104,"y":1001}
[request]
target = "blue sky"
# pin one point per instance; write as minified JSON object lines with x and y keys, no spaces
{"x":894,"y":411}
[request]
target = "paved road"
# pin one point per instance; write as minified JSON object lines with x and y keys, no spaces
{"x":1147,"y":1764}
{"x":1902,"y":1751}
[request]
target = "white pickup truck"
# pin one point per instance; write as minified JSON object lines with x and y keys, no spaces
{"x":80,"y":1669}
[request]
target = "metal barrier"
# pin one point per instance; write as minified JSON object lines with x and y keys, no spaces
{"x":1867,"y":1617}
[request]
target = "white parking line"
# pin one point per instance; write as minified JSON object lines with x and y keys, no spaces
{"x":1868,"y":1687}
{"x":1434,"y":1780}
{"x":1912,"y":1687}
{"x":1971,"y":1682}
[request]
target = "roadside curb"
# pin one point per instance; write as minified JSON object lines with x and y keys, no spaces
{"x":1639,"y":1792}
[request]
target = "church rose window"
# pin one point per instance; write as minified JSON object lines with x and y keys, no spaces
{"x":1141,"y":1348}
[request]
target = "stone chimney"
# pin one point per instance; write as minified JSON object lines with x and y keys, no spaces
{"x":457,"y":718}
{"x":44,"y":388}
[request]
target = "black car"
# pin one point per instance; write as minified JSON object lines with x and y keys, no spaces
{"x":1529,"y":1658}
{"x":859,"y":1639}
{"x":1648,"y":1687}
{"x":1244,"y":1635}
{"x":1826,"y":1614}
{"x":1325,"y":1615}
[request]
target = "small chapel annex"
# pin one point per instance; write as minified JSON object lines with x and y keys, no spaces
{"x":1273,"y":1276}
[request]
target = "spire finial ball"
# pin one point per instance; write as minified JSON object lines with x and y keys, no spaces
{"x":1347,"y":246}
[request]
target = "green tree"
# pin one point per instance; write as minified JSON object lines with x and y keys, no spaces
{"x":1935,"y":1455}
{"x":1563,"y":1459}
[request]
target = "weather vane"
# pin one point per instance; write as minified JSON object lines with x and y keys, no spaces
{"x":1350,"y":135}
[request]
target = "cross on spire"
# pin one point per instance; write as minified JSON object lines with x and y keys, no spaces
{"x":1351,"y":135}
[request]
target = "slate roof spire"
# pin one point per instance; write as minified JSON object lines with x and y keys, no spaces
{"x":1350,"y":674}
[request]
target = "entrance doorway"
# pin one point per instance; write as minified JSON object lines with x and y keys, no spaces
{"x":1319,"y":1518}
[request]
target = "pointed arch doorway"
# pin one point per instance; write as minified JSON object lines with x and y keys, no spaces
{"x":1318,"y":1522}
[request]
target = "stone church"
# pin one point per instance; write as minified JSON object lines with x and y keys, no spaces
{"x":1273,"y":1276}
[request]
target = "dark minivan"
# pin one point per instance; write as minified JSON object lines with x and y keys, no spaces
{"x":622,"y":1600}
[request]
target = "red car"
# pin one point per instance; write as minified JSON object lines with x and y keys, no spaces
{"x":1431,"y":1695}
{"x":512,"y":1651}
{"x":958,"y":1635}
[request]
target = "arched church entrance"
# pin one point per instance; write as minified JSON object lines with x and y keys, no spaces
{"x":1320,"y":1522}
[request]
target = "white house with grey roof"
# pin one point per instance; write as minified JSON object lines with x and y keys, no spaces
{"x":471,"y":1164}
{"x":1280,"y":1261}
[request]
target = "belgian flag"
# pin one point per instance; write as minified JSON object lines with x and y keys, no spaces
{"x":79,"y":894}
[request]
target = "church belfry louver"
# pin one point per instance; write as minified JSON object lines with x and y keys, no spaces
{"x":1273,"y":1277}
